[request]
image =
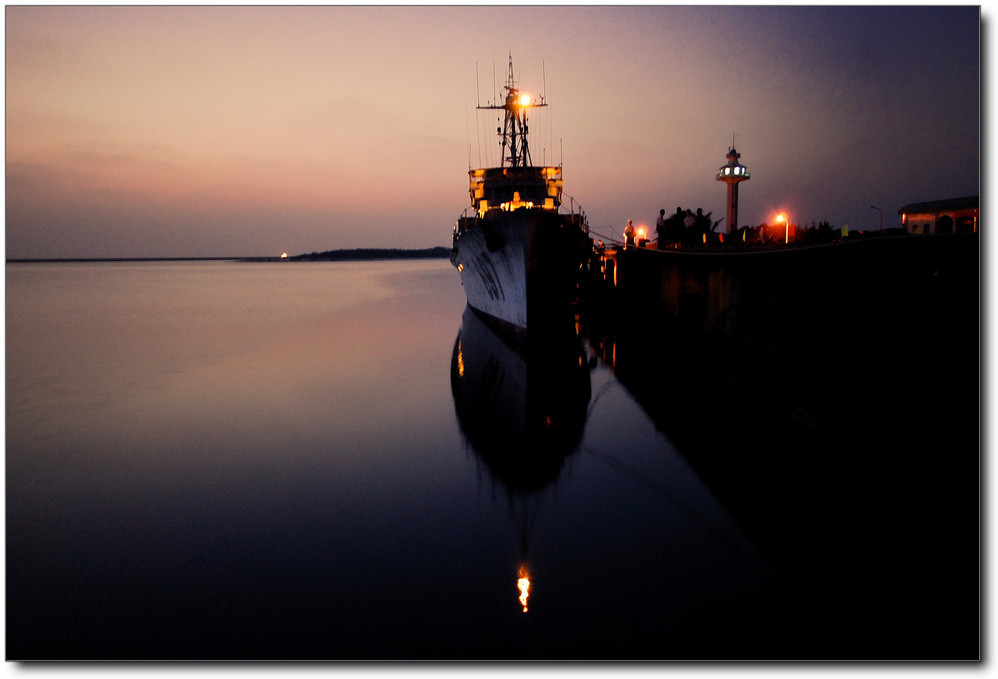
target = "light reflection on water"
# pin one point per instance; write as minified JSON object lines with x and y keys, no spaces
{"x":230,"y":420}
{"x":312,"y":461}
{"x":546,"y":419}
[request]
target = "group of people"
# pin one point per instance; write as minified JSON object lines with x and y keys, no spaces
{"x":682,"y":227}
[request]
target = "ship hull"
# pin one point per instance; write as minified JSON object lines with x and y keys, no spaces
{"x":520,"y":269}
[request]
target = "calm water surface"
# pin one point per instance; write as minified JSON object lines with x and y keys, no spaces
{"x":337,"y":461}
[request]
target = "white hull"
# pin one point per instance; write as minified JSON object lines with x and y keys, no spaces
{"x":520,"y":268}
{"x":495,"y":278}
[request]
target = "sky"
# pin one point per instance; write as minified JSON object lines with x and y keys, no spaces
{"x":189,"y":131}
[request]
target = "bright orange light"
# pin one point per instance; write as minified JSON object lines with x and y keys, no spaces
{"x":642,"y":232}
{"x":523,"y":584}
{"x":782,"y":218}
{"x":524,"y":100}
{"x":284,"y":255}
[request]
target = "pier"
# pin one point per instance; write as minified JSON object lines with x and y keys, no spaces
{"x":784,"y":300}
{"x":797,"y":309}
{"x":828,"y":395}
{"x":839,"y":336}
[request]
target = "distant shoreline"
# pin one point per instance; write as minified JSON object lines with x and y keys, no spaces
{"x":371,"y":253}
{"x":327,"y":256}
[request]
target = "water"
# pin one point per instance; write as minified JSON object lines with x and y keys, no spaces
{"x":221,"y":460}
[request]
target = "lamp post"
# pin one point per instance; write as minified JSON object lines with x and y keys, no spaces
{"x":782,"y":217}
{"x":881,"y":216}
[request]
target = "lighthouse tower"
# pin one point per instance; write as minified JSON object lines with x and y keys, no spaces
{"x":731,"y":174}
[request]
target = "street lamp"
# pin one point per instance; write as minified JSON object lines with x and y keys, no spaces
{"x":881,"y":216}
{"x":782,"y":217}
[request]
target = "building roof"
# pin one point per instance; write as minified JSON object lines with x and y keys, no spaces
{"x":965,"y":203}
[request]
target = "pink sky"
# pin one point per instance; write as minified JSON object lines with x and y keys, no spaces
{"x":229,"y":131}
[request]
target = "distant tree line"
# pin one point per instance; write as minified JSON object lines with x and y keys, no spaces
{"x":372,"y":253}
{"x":817,"y":232}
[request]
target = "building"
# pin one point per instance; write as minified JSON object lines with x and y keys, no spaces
{"x":732,"y":174}
{"x":954,"y":215}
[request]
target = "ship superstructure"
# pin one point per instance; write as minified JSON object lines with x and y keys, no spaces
{"x":518,"y":256}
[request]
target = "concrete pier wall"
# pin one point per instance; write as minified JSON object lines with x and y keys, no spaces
{"x":878,"y":325}
{"x":865,"y":294}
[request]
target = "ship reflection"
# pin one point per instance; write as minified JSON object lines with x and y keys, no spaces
{"x":522,"y":411}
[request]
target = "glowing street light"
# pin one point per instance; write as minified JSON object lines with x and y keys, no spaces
{"x":782,"y":217}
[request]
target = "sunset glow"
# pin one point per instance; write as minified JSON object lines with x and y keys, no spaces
{"x":241,"y":130}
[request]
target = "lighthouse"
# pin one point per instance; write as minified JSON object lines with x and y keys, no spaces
{"x":731,"y":174}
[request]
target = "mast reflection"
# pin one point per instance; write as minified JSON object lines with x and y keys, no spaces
{"x":522,"y":410}
{"x":523,"y":584}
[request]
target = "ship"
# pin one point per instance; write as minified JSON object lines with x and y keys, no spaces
{"x":519,"y":257}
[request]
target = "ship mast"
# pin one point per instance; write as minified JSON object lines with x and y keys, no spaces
{"x":515,"y":149}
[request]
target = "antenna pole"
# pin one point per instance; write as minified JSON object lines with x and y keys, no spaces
{"x":544,"y":80}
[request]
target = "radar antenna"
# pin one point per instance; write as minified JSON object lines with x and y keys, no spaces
{"x":515,"y":149}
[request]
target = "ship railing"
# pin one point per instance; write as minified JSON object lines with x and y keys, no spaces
{"x":578,"y":215}
{"x":463,"y":222}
